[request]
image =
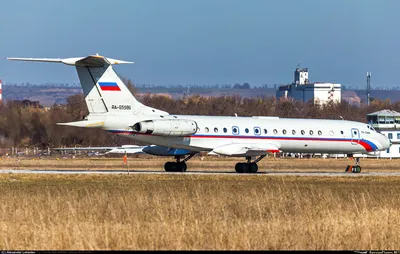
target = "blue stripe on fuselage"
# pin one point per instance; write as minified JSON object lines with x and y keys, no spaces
{"x":373,"y":146}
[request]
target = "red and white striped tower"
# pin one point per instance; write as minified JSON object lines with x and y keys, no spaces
{"x":1,"y":91}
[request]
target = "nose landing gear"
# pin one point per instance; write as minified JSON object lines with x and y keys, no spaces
{"x":356,"y":168}
{"x":249,"y":167}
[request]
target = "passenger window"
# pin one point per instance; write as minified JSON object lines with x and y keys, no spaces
{"x":293,"y":132}
{"x":311,"y":132}
{"x":215,"y":130}
{"x":284,"y":131}
{"x":246,"y":130}
{"x":225,"y":130}
{"x":206,"y":129}
{"x":265,"y":131}
{"x":320,"y":133}
{"x":303,"y":132}
{"x":235,"y":130}
{"x":331,"y":133}
{"x":275,"y":131}
{"x":341,"y":132}
{"x":257,"y":131}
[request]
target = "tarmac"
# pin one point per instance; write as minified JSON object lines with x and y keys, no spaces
{"x":158,"y":172}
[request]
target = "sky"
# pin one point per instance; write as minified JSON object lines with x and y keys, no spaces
{"x":205,"y":42}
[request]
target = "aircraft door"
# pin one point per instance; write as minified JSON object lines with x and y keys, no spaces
{"x":355,"y":136}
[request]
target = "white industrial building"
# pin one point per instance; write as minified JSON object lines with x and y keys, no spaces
{"x":302,"y":90}
{"x":387,"y":122}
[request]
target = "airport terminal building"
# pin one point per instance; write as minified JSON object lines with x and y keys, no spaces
{"x":302,"y":90}
{"x":387,"y":122}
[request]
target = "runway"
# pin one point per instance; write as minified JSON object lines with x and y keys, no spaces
{"x":149,"y":172}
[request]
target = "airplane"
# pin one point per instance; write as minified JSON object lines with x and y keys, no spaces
{"x":128,"y":149}
{"x":113,"y":108}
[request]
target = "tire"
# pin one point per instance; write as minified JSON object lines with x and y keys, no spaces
{"x":167,"y":166}
{"x":245,"y":167}
{"x":181,"y":166}
{"x":238,"y":168}
{"x":253,"y":167}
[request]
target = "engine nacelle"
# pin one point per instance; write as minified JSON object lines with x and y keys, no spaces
{"x":167,"y":127}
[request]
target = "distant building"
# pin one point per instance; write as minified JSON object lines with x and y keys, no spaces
{"x":302,"y":90}
{"x":387,"y":122}
{"x":1,"y":90}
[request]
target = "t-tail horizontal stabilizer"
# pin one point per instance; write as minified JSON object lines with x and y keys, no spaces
{"x":88,"y":61}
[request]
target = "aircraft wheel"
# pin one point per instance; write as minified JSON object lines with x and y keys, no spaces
{"x":181,"y":167}
{"x":356,"y":169}
{"x":253,"y":167}
{"x":241,"y":167}
{"x":175,"y":167}
{"x":238,"y":168}
{"x":245,"y":167}
{"x":167,"y":166}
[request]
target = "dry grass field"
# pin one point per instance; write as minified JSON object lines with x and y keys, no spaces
{"x":206,"y":212}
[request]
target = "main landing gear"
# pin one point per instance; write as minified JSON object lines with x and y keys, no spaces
{"x":178,"y":166}
{"x":356,"y":168}
{"x":248,"y":167}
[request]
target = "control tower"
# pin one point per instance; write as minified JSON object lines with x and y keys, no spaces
{"x":301,"y":76}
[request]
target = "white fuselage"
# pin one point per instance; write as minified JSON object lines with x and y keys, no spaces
{"x":287,"y":134}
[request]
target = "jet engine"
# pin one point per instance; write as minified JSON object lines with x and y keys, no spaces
{"x":167,"y":127}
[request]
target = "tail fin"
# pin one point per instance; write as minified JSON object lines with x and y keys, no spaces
{"x":104,"y":91}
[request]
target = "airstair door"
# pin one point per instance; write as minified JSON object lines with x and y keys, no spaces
{"x":355,"y":136}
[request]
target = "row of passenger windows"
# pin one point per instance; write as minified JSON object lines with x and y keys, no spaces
{"x":257,"y":131}
{"x":390,"y":135}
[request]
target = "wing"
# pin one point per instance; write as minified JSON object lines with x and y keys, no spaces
{"x":246,"y":149}
{"x":127,"y":149}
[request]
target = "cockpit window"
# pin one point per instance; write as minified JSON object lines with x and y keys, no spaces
{"x":371,"y":128}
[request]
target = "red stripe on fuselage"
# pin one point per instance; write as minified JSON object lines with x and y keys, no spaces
{"x":367,"y":146}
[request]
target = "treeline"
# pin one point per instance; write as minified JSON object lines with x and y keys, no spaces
{"x":28,"y":127}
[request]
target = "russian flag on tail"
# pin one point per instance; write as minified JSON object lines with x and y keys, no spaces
{"x":109,"y":86}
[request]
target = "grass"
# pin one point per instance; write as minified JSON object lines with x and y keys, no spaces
{"x":198,"y":212}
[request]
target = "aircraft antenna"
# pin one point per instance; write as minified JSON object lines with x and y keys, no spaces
{"x":368,"y":87}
